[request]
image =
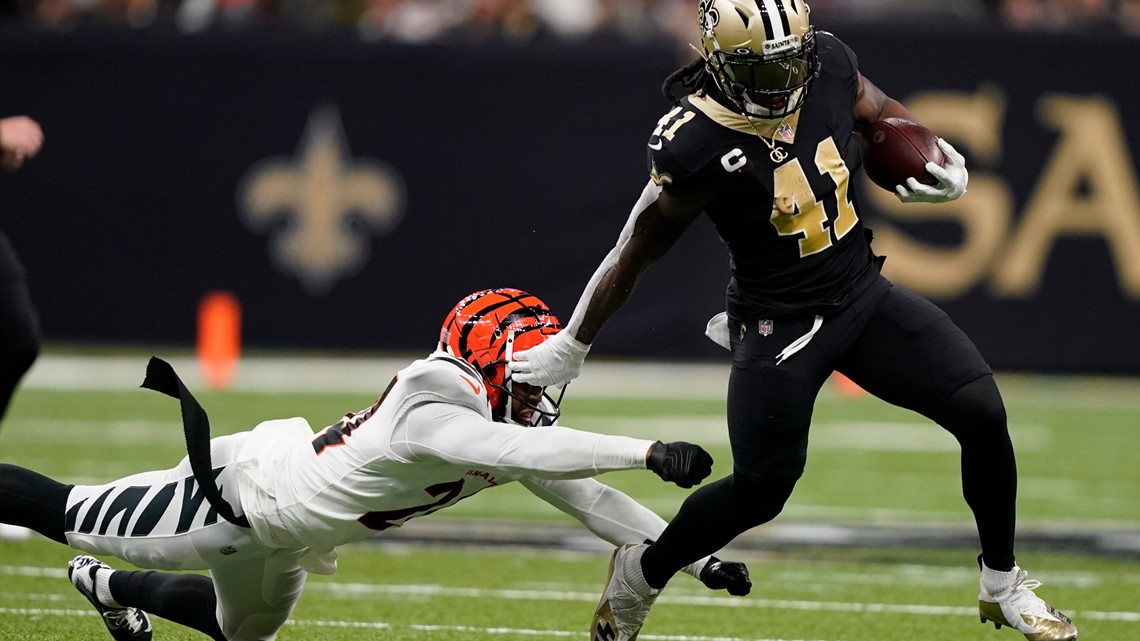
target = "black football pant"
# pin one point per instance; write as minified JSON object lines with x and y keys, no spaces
{"x":34,"y":501}
{"x":894,"y":344}
{"x":19,"y":327}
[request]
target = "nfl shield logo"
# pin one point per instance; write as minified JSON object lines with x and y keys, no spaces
{"x":785,"y":132}
{"x":765,"y":328}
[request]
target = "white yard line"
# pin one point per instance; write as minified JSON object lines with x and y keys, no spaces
{"x":404,"y":590}
{"x":419,"y":627}
{"x":422,"y":627}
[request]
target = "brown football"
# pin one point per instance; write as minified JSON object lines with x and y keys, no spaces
{"x":895,"y":149}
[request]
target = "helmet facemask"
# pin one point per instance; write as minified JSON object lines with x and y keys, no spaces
{"x":765,"y":87}
{"x":544,"y":408}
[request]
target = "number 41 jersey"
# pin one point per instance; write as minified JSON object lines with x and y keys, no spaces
{"x":778,"y":191}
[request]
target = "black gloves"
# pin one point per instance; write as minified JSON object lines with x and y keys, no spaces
{"x":682,"y":463}
{"x":726,"y":575}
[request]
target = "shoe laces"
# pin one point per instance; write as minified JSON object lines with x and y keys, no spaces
{"x":1020,"y":596}
{"x":82,"y":573}
{"x":128,"y":618}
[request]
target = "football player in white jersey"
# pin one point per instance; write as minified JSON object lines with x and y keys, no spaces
{"x":282,"y":498}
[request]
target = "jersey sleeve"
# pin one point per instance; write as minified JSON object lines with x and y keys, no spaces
{"x":608,"y":513}
{"x":611,"y":515}
{"x":837,"y":59}
{"x":459,"y":436}
{"x":684,"y":151}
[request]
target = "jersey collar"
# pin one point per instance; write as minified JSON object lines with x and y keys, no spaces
{"x":735,"y":121}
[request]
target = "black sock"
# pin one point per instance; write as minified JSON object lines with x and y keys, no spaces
{"x":187,"y":599}
{"x":710,"y":518}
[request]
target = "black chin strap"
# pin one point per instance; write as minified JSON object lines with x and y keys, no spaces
{"x":160,"y":377}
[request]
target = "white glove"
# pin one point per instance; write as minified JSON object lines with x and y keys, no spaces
{"x":717,"y":331}
{"x":556,"y":360}
{"x":952,"y":179}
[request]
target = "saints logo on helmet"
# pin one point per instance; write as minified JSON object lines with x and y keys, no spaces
{"x":485,"y":329}
{"x":760,"y":53}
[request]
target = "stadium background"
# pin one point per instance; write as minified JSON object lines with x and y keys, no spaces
{"x":347,"y":191}
{"x":348,"y":187}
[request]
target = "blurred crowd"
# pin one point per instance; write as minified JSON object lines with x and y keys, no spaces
{"x":417,"y":21}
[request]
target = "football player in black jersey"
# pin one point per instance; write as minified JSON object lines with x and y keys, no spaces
{"x":763,"y":139}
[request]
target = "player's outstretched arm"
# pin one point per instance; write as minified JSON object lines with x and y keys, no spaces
{"x":726,"y":575}
{"x":656,"y":222}
{"x":682,"y":463}
{"x":459,"y":435}
{"x":618,"y":519}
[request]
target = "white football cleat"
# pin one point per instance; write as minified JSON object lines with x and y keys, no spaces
{"x":627,"y":598}
{"x":1007,"y":598}
{"x":124,"y":624}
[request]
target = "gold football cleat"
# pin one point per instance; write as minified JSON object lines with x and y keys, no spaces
{"x":626,"y":600}
{"x":1019,"y":608}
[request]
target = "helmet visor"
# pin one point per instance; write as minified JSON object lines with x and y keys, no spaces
{"x":765,"y":88}
{"x":779,"y":76}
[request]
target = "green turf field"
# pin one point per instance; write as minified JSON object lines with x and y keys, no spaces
{"x":869,"y":465}
{"x":413,"y":592}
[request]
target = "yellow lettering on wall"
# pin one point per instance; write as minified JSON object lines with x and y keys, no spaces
{"x":972,"y":122}
{"x":1087,"y":188}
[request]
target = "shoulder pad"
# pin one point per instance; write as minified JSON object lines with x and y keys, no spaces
{"x":448,"y":380}
{"x":835,"y":56}
{"x":684,"y":145}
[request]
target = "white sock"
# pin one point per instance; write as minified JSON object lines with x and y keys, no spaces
{"x":996,"y":582}
{"x":103,"y":589}
{"x":634,"y":575}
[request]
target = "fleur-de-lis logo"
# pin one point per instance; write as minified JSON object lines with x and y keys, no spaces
{"x":709,"y":17}
{"x":321,"y":205}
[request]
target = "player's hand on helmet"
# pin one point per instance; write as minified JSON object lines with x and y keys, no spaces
{"x":556,"y":360}
{"x":726,"y":575}
{"x":952,"y":178}
{"x":682,"y":463}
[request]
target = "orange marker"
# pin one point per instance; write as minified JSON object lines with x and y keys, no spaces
{"x":847,"y":387}
{"x":219,"y":338}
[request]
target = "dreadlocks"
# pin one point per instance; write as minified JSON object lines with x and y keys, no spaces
{"x":692,"y":77}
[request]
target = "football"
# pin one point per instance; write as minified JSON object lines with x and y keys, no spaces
{"x":895,"y":149}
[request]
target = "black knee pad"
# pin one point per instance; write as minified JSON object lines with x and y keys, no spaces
{"x":776,"y":467}
{"x":976,"y":409}
{"x":771,"y":482}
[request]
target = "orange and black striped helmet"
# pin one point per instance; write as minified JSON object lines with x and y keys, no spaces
{"x":486,"y":327}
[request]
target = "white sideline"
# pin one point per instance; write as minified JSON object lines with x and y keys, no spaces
{"x":603,"y":379}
